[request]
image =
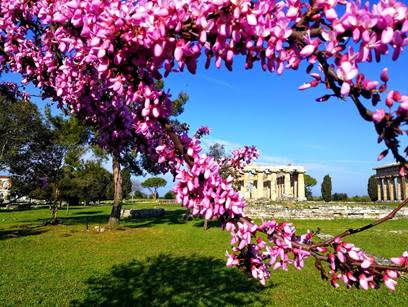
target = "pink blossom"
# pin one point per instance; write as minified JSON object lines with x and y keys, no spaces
{"x":307,"y":50}
{"x":402,"y":261}
{"x":387,"y":35}
{"x":389,"y":282}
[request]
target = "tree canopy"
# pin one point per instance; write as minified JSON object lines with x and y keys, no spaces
{"x":29,"y":151}
{"x":309,"y":183}
{"x":153,"y":184}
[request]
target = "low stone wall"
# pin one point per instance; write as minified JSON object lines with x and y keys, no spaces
{"x":321,"y":211}
{"x":142,"y":213}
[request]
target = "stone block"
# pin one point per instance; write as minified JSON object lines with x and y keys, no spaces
{"x":142,"y":213}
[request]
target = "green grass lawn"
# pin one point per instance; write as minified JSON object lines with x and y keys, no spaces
{"x":163,"y":261}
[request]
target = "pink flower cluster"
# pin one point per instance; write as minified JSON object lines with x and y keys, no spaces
{"x":259,"y":257}
{"x":98,"y":57}
{"x":201,"y":188}
{"x":241,"y":157}
{"x":201,"y":132}
{"x":351,"y":265}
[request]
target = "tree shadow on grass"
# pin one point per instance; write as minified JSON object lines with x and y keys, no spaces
{"x":99,"y":217}
{"x":88,"y":212}
{"x":170,"y":217}
{"x":168,"y":281}
{"x":210,"y":224}
{"x":21,"y":232}
{"x":77,"y":218}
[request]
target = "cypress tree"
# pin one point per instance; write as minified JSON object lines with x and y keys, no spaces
{"x":372,"y":188}
{"x":326,"y":188}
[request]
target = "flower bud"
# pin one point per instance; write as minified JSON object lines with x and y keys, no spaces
{"x":384,"y":75}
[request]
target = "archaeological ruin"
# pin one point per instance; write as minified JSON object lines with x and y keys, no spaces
{"x":274,"y":182}
{"x":390,"y":185}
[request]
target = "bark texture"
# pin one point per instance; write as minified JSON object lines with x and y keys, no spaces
{"x":114,"y":218}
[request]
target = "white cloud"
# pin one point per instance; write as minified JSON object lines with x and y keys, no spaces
{"x":274,"y":160}
{"x":216,"y":81}
{"x":229,"y":146}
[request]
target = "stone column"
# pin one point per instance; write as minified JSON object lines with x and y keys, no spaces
{"x":399,"y":190}
{"x":404,"y":188}
{"x":391,"y":186}
{"x":272,"y":177}
{"x":287,"y":185}
{"x":379,"y":189}
{"x":385,"y":189}
{"x":301,"y":187}
{"x":260,"y":185}
{"x":247,"y":192}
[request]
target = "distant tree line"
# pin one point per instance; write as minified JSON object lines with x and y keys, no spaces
{"x":327,"y":196}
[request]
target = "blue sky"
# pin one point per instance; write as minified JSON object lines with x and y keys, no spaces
{"x":287,"y":125}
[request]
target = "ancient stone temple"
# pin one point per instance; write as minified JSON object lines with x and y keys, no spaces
{"x":390,"y":185}
{"x":274,"y":182}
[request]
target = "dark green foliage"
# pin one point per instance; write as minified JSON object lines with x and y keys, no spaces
{"x":139,"y":194}
{"x":360,"y":199}
{"x":340,"y":197}
{"x":309,"y":183}
{"x":372,"y":188}
{"x":69,"y":132}
{"x":29,"y":150}
{"x":326,"y":188}
{"x":169,"y":195}
{"x":93,"y":182}
{"x":90,"y":182}
{"x":126,"y":182}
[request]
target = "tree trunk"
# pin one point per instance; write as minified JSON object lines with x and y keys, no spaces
{"x":205,"y":224}
{"x":54,"y":212}
{"x":114,"y":218}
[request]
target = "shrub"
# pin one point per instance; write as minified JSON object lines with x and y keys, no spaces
{"x":139,"y":194}
{"x":339,"y":196}
{"x":169,"y":195}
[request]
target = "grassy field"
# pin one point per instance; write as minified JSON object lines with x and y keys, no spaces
{"x":163,"y":261}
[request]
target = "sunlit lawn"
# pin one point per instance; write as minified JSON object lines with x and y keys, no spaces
{"x":163,"y":261}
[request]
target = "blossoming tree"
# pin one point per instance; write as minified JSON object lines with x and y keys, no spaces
{"x":100,"y":59}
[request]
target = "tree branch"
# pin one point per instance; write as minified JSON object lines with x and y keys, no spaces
{"x":168,"y":127}
{"x":352,"y":231}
